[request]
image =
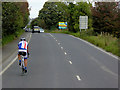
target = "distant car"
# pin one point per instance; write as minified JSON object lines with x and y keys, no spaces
{"x":26,"y":30}
{"x":36,"y":29}
{"x":41,"y":30}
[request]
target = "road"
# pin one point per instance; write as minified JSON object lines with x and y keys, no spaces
{"x":62,"y":61}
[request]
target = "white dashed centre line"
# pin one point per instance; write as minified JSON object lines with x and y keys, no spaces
{"x":70,"y":62}
{"x":51,"y":35}
{"x":65,"y":53}
{"x":56,"y":40}
{"x":78,"y":77}
{"x":61,"y":47}
{"x":58,"y":43}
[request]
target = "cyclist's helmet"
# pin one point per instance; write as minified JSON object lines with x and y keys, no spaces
{"x":22,"y":39}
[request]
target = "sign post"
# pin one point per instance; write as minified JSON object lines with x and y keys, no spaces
{"x":83,"y":22}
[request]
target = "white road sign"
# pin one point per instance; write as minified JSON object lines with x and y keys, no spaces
{"x":83,"y":22}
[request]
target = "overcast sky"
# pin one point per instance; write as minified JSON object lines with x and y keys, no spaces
{"x":35,"y":5}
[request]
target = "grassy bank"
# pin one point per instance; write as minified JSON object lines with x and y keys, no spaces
{"x":107,"y":42}
{"x":10,"y":38}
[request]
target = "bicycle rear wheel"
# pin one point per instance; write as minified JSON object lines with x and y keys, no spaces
{"x":23,"y":70}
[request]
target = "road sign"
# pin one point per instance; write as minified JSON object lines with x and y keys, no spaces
{"x":62,"y":25}
{"x":83,"y":22}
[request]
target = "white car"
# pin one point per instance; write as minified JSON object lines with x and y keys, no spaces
{"x":36,"y":29}
{"x":41,"y":30}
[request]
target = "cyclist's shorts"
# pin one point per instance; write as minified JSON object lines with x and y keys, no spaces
{"x":23,"y":53}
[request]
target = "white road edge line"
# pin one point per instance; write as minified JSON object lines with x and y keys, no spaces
{"x":116,"y":57}
{"x":29,"y":38}
{"x":11,"y":61}
{"x":8,"y":65}
{"x":70,"y":62}
{"x":78,"y":77}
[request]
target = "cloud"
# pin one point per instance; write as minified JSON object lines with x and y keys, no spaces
{"x":35,"y":5}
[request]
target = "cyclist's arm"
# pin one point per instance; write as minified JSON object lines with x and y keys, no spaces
{"x":27,"y":50}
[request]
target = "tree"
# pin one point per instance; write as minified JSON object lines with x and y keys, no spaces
{"x":71,"y":18}
{"x":23,"y":7}
{"x":105,"y":17}
{"x":52,"y":13}
{"x":14,"y":17}
{"x":81,"y":9}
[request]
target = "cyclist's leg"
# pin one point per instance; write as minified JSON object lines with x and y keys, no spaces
{"x":25,"y":62}
{"x":19,"y":57}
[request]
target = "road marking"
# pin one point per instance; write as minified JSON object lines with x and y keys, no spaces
{"x":65,"y":53}
{"x":29,"y":38}
{"x":8,"y":65}
{"x":58,"y":43}
{"x":51,"y":35}
{"x":70,"y":62}
{"x":109,"y":71}
{"x":56,"y":40}
{"x":12,"y":61}
{"x":110,"y":54}
{"x":62,"y":48}
{"x":78,"y":77}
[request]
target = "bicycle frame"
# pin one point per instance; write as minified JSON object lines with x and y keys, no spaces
{"x":22,"y":63}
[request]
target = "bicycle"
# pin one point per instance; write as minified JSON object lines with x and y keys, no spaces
{"x":22,"y":64}
{"x":22,"y":54}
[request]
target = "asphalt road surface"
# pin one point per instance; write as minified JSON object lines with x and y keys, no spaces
{"x":62,"y":61}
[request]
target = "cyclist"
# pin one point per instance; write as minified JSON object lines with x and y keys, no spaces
{"x":23,"y":50}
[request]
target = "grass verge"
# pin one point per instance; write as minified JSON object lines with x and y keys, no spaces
{"x":10,"y":38}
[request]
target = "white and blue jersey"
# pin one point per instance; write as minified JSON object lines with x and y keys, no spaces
{"x":22,"y":46}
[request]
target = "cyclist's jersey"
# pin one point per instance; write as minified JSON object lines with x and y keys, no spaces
{"x":22,"y":46}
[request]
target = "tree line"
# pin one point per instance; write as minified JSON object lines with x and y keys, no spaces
{"x":54,"y":12}
{"x":104,"y":17}
{"x":14,"y":17}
